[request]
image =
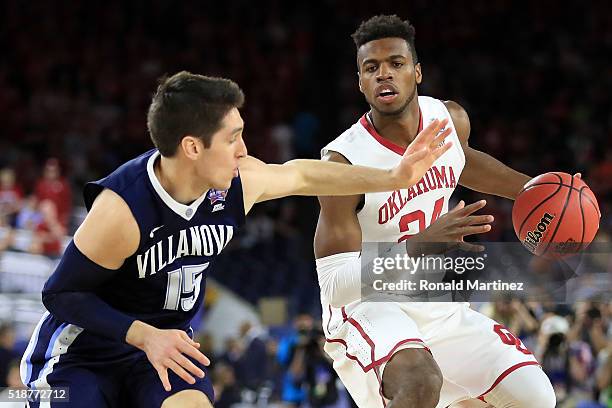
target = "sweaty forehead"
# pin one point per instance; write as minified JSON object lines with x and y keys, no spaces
{"x":383,"y":48}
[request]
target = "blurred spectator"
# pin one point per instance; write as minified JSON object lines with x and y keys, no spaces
{"x":320,"y":377}
{"x":552,"y":353}
{"x":291,"y":355}
{"x":232,"y":352}
{"x":227,"y":391}
{"x":589,"y":326}
{"x":515,"y":315}
{"x":581,"y":371}
{"x":7,"y":352}
{"x":206,"y":346}
{"x":49,"y":232}
{"x":30,"y":216}
{"x":604,"y":377}
{"x":55,"y":188}
{"x":14,"y":382}
{"x":251,"y":366}
{"x":11,"y":197}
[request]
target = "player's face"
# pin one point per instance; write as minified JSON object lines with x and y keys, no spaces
{"x":219,"y":163}
{"x":388,"y":77}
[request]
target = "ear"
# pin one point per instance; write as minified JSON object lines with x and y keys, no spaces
{"x":191,"y":147}
{"x":360,"y":86}
{"x":418,"y":73}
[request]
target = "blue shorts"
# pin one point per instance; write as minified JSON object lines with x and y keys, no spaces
{"x":97,"y":372}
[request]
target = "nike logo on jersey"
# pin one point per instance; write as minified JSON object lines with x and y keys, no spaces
{"x":218,"y":207}
{"x":153,"y":231}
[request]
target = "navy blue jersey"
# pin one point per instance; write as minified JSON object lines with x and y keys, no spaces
{"x":163,"y":283}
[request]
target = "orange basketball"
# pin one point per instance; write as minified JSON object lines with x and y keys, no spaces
{"x":555,"y":215}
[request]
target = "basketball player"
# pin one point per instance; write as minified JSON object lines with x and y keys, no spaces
{"x":122,"y":297}
{"x":413,"y":355}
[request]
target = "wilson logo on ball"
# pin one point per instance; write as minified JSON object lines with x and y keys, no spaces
{"x":532,"y":239}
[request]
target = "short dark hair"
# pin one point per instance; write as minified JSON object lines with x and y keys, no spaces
{"x":189,"y":104}
{"x":385,"y":26}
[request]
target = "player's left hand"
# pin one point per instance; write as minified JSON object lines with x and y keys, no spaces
{"x":424,"y":150}
{"x":168,"y":350}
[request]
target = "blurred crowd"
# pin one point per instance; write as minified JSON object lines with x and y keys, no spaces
{"x":76,"y":80}
{"x":286,"y":366}
{"x":44,"y":213}
{"x":534,"y":80}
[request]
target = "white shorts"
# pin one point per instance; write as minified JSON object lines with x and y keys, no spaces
{"x":473,"y":352}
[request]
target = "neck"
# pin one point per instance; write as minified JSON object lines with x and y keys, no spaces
{"x":178,"y":179}
{"x":401,"y":128}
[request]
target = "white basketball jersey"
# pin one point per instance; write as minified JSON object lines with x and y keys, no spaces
{"x":394,"y":216}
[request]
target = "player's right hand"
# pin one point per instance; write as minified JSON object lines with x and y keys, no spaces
{"x":448,"y":231}
{"x":168,"y":349}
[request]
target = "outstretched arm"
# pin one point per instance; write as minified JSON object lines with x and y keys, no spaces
{"x":482,"y":172}
{"x":261,"y":181}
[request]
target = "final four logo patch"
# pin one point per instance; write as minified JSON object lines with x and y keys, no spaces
{"x":216,"y":195}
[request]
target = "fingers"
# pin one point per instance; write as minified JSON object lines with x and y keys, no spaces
{"x":469,"y":247}
{"x":180,"y":371}
{"x":472,"y":208}
{"x":162,"y":372}
{"x":193,"y":352}
{"x":578,"y":175}
{"x":439,"y":138}
{"x":474,"y":229}
{"x":189,"y":340}
{"x":416,"y":156}
{"x":478,"y":219}
{"x":428,"y":132}
{"x":459,"y":206}
{"x":188,"y":365}
{"x":439,"y":151}
{"x":427,"y":135}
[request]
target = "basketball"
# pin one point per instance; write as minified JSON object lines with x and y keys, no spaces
{"x":555,"y":215}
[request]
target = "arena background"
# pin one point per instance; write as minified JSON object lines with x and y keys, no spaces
{"x":75,"y":82}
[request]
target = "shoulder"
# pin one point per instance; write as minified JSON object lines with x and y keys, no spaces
{"x":461,"y":120}
{"x":250,"y":164}
{"x":109,"y":234}
{"x":252,"y":172}
{"x":350,"y":144}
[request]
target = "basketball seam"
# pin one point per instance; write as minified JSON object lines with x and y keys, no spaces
{"x":552,"y":237}
{"x":582,"y":215}
{"x":547,"y":183}
{"x":538,"y":206}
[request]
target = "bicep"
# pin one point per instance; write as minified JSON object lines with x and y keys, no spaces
{"x":109,"y":234}
{"x":338,"y":228}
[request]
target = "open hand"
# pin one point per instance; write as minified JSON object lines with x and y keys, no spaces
{"x":167,"y":349}
{"x":424,"y":150}
{"x":448,"y":231}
